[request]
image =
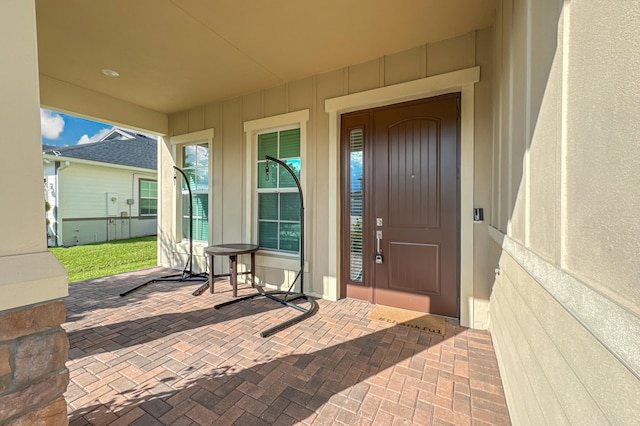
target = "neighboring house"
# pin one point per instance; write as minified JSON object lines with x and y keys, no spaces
{"x":101,"y":191}
{"x":524,"y":108}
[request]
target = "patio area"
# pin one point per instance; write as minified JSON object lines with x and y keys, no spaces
{"x":163,"y":356}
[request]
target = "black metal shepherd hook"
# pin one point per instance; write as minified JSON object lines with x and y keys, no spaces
{"x":289,"y":297}
{"x":187,"y":273}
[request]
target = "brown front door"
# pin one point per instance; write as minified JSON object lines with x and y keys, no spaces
{"x":401,"y":215}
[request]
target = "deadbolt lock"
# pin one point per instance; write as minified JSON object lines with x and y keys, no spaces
{"x":378,"y":258}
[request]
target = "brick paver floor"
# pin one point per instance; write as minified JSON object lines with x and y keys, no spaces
{"x":163,"y":356}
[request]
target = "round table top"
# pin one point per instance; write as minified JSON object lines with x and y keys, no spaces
{"x":231,"y":249}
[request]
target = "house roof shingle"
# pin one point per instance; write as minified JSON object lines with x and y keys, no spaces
{"x":136,"y":151}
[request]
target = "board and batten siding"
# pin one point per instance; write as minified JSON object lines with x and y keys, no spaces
{"x":229,"y":211}
{"x":565,"y":308}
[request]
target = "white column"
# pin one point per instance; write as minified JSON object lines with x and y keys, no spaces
{"x":28,"y":272}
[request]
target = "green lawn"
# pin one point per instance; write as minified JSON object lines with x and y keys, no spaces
{"x":102,"y":259}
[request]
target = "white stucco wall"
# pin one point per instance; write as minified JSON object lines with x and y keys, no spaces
{"x":602,"y":225}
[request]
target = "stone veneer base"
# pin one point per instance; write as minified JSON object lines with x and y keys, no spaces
{"x":33,"y":377}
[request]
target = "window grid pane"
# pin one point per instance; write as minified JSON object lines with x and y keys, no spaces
{"x":290,"y":206}
{"x":285,"y":178}
{"x":290,"y":236}
{"x":267,"y":145}
{"x":268,"y":206}
{"x":272,"y":181}
{"x":289,"y":143}
{"x":200,"y":212}
{"x":195,"y":165}
{"x":268,"y":235}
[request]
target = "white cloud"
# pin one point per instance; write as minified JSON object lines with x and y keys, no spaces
{"x":96,"y":137}
{"x":51,"y":124}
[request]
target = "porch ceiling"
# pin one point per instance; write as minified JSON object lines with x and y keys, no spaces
{"x":176,"y":54}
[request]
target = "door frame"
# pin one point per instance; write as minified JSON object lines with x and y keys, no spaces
{"x":462,"y":81}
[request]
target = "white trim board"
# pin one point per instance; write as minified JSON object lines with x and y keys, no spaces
{"x":62,"y":159}
{"x":190,"y":138}
{"x":457,"y":81}
{"x":31,"y":278}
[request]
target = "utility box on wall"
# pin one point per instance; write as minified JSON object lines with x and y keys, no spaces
{"x":113,"y":204}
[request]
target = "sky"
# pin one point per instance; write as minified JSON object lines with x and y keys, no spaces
{"x":66,"y":130}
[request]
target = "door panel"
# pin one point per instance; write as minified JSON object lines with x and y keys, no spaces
{"x":411,"y":196}
{"x":413,"y":173}
{"x":414,"y":268}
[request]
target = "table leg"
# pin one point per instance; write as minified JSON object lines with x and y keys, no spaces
{"x":211,"y":273}
{"x":253,"y":269}
{"x":233,"y":266}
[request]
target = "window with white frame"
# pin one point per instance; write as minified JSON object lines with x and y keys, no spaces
{"x":195,"y":164}
{"x":278,"y":210}
{"x":148,"y":197}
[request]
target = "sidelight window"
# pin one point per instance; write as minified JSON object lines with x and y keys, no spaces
{"x":356,"y":147}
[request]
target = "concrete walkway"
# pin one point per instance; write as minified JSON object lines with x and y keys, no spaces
{"x":161,"y":356}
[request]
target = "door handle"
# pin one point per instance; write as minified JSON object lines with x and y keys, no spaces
{"x":378,"y":248}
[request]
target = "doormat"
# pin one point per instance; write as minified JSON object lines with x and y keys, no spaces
{"x":412,"y":319}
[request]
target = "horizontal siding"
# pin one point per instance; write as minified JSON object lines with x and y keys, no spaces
{"x":83,"y":190}
{"x":555,"y":371}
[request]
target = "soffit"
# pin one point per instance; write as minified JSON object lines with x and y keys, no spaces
{"x":176,"y":54}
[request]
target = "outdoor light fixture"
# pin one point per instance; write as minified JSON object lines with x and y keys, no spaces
{"x":110,"y":73}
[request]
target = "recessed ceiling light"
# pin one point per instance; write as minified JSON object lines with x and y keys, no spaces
{"x":110,"y":73}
